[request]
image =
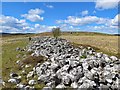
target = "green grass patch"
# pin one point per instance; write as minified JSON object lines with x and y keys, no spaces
{"x":9,"y":59}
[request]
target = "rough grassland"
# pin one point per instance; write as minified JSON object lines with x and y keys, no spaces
{"x":106,"y":44}
{"x":102,"y":43}
{"x":9,"y":58}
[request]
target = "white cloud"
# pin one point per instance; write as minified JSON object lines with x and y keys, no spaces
{"x":49,"y":6}
{"x":106,"y":4}
{"x":83,"y":13}
{"x":103,"y":29}
{"x":34,"y":15}
{"x":83,"y":20}
{"x":43,"y":28}
{"x":59,"y":21}
{"x":10,"y":23}
{"x":100,"y":24}
{"x":115,"y":22}
{"x":36,"y":11}
{"x":37,"y":25}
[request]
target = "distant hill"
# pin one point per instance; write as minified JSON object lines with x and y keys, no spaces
{"x":73,"y":33}
{"x":6,"y":34}
{"x":117,"y":34}
{"x":64,"y":33}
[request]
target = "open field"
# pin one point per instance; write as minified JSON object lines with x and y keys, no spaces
{"x":106,"y":44}
{"x":103,"y":43}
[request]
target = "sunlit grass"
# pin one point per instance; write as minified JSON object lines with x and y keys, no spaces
{"x":9,"y":58}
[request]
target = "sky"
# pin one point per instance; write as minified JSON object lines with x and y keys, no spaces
{"x":36,"y":17}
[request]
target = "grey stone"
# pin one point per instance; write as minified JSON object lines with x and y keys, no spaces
{"x":88,"y":75}
{"x":13,"y":75}
{"x":60,"y":86}
{"x":32,"y":82}
{"x":99,"y":55}
{"x":18,"y":48}
{"x":30,"y":74}
{"x":74,"y":85}
{"x":14,"y":81}
{"x":102,"y":86}
{"x":20,"y":86}
{"x":51,"y":84}
{"x":114,"y":58}
{"x":66,"y":80}
{"x":109,"y":80}
{"x":47,"y":88}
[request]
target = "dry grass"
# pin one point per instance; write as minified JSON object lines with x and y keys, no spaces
{"x":33,"y":60}
{"x":107,"y":44}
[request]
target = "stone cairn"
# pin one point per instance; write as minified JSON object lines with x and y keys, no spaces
{"x":70,"y":67}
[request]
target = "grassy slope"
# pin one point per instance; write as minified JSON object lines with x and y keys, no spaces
{"x":9,"y":58}
{"x":9,"y":45}
{"x":9,"y":54}
{"x":106,"y":44}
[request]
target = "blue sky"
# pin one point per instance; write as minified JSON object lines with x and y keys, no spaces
{"x":36,"y":17}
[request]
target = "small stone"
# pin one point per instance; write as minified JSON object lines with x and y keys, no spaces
{"x":3,"y":83}
{"x":30,"y":74}
{"x":114,"y":58}
{"x":60,"y":86}
{"x":51,"y":84}
{"x":17,"y":49}
{"x":27,"y":66}
{"x":109,"y":80}
{"x":89,"y":75}
{"x":21,"y":86}
{"x":32,"y":82}
{"x":74,"y":85}
{"x":66,"y":80}
{"x":13,"y":75}
{"x":14,"y":81}
{"x":99,"y":55}
{"x":102,"y":86}
{"x":107,"y":59}
{"x":47,"y":88}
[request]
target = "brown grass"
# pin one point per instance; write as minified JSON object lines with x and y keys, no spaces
{"x":106,"y":44}
{"x":33,"y":60}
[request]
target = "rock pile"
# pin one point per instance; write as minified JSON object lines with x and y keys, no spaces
{"x":69,"y":66}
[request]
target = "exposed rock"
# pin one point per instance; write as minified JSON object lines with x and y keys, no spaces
{"x":21,"y":86}
{"x":30,"y":74}
{"x":27,"y":66}
{"x":14,"y":81}
{"x":47,"y":88}
{"x":32,"y":82}
{"x":74,"y":85}
{"x":67,"y":65}
{"x":13,"y":75}
{"x":60,"y":86}
{"x":18,"y":48}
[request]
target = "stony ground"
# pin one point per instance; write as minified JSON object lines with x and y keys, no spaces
{"x":56,"y":63}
